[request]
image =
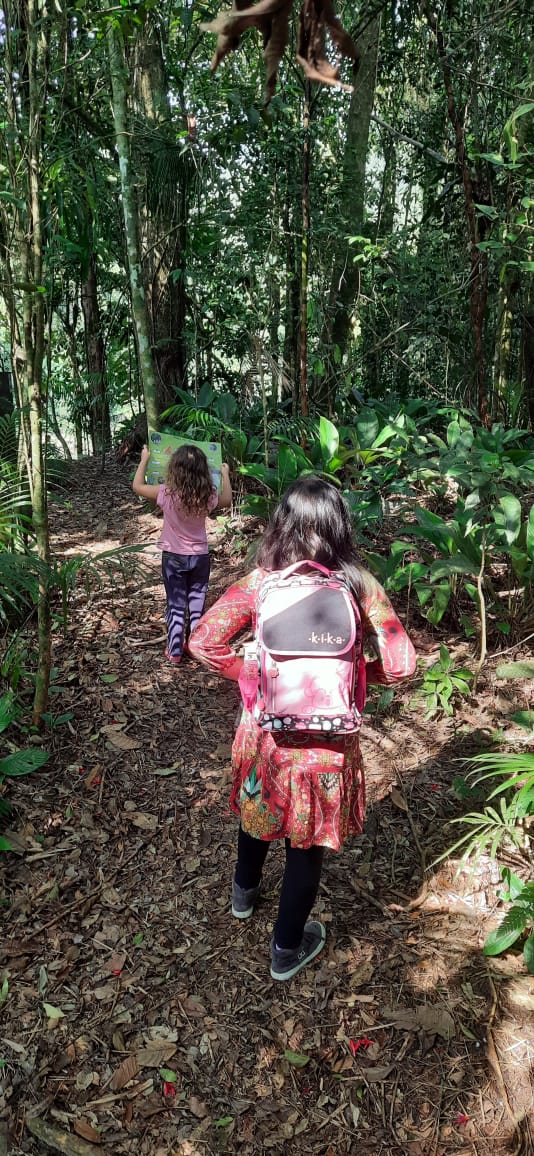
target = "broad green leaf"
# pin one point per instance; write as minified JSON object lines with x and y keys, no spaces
{"x":23,"y":762}
{"x":367,"y":427}
{"x":8,"y":710}
{"x":444,"y":657}
{"x":168,"y":1075}
{"x":108,"y":678}
{"x":458,"y":564}
{"x":507,"y":517}
{"x":439,"y":605}
{"x":223,"y":1121}
{"x":530,"y":534}
{"x":504,"y":936}
{"x":297,"y":1059}
{"x":528,"y":953}
{"x":523,"y":718}
{"x":53,"y":1013}
{"x":329,"y":438}
{"x":513,"y":884}
{"x":515,"y":670}
{"x":5,"y":845}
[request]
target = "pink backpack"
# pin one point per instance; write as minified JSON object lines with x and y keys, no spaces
{"x":309,"y":666}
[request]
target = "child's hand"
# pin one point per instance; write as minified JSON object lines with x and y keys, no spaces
{"x":225,"y":469}
{"x":145,"y":454}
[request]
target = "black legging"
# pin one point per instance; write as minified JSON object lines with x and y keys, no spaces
{"x":299,"y":886}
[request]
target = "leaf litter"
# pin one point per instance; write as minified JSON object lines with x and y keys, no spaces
{"x":119,"y":901}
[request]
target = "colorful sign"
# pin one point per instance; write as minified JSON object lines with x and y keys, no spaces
{"x":163,"y":445}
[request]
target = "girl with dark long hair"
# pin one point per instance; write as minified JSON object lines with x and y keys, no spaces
{"x":186,"y":497}
{"x":307,"y":789}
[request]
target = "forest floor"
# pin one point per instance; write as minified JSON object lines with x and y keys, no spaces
{"x":123,"y":962}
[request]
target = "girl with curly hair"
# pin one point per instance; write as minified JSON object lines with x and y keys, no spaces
{"x":186,"y":498}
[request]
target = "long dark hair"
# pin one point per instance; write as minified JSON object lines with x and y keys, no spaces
{"x":189,"y":478}
{"x":312,"y":522}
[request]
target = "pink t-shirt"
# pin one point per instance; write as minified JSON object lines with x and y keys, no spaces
{"x":182,"y":533}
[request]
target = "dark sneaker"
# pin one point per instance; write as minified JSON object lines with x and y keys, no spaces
{"x":286,"y":962}
{"x":243,"y":900}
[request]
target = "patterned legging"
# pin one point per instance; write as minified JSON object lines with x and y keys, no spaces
{"x":185,"y":577}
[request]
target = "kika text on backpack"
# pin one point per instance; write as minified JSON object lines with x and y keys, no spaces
{"x":310,"y":667}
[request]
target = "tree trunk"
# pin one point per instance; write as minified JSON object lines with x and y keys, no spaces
{"x":26,"y":44}
{"x":304,"y":253}
{"x":119,"y":84}
{"x":163,"y":211}
{"x":502,"y":362}
{"x":345,"y":278}
{"x":292,"y":286}
{"x":528,"y":359}
{"x":478,"y":279}
{"x":95,"y":358}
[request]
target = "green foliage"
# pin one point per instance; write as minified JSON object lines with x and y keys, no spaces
{"x":19,"y":762}
{"x":518,"y":919}
{"x":443,"y":685}
{"x":498,"y":826}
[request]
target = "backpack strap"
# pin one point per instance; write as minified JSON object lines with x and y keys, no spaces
{"x":289,"y":570}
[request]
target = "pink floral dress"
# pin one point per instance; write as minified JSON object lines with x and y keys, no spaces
{"x":306,"y":788}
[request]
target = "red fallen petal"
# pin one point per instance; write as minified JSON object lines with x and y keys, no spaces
{"x":434,"y":786}
{"x":117,"y":971}
{"x":96,"y":781}
{"x":461,"y":1119}
{"x":355,"y":1045}
{"x":169,"y":1089}
{"x":81,"y":770}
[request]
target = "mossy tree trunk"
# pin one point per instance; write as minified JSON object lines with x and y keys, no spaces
{"x":120,"y":90}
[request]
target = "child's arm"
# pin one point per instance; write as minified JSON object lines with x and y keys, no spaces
{"x":225,"y":496}
{"x":210,"y":640}
{"x":139,"y":486}
{"x":382,"y":630}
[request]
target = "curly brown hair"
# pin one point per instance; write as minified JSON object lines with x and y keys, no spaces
{"x":189,"y":478}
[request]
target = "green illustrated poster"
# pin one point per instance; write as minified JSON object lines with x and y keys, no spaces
{"x":162,"y":447}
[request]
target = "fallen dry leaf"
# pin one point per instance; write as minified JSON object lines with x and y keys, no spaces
{"x":377,"y":1074}
{"x":143,"y":821}
{"x":116,"y":963}
{"x":362,"y":973}
{"x":119,"y":739}
{"x":398,"y":799}
{"x":83,"y":1128}
{"x":155,"y":1053}
{"x":430,"y":1018}
{"x":124,"y":1073}
{"x":197,"y":1107}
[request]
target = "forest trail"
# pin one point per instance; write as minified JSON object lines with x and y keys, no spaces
{"x":124,"y":963}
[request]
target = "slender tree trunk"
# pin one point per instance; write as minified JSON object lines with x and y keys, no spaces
{"x":304,"y":253}
{"x":528,"y":357}
{"x":345,"y":278}
{"x":51,"y":408}
{"x":292,"y":286}
{"x":163,"y":207}
{"x":34,"y":332}
{"x":95,"y":358}
{"x":119,"y":84}
{"x":502,"y":362}
{"x":478,"y":279}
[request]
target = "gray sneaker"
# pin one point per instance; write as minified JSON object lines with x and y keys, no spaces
{"x":286,"y":962}
{"x":243,"y":900}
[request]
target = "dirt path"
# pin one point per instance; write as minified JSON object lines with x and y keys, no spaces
{"x":122,"y":960}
